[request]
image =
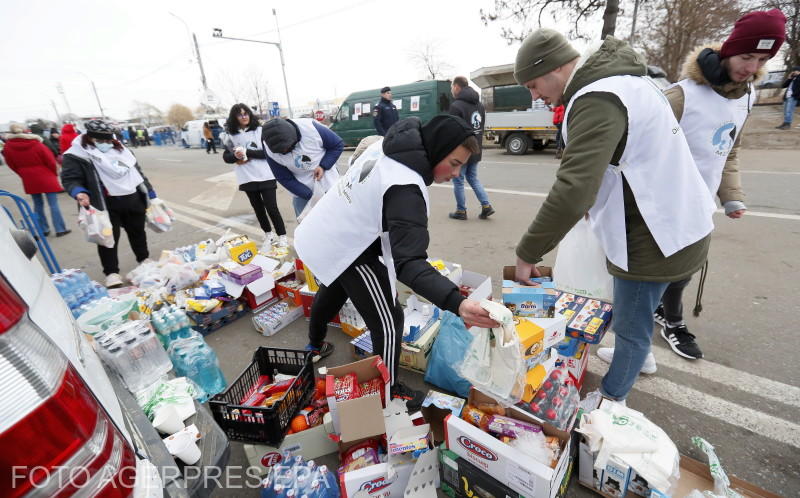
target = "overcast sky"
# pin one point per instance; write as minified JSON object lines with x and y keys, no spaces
{"x":136,"y":50}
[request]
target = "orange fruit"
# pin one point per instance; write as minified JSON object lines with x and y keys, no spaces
{"x":299,"y":423}
{"x":320,"y":390}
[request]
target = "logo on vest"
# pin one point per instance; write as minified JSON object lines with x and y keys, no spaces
{"x":356,"y":175}
{"x":475,"y":120}
{"x":302,"y":161}
{"x":723,"y":138}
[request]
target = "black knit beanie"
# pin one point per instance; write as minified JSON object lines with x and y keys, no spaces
{"x":442,"y":134}
{"x":280,"y":135}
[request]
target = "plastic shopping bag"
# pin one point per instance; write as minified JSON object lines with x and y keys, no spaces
{"x":581,"y":264}
{"x":97,"y":226}
{"x":316,"y":195}
{"x":493,"y":362}
{"x":448,"y":350}
{"x":721,"y":482}
{"x":159,"y":216}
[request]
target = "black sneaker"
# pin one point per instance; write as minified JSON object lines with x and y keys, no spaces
{"x":784,"y":126}
{"x":412,"y":398}
{"x":659,"y":316}
{"x":486,"y":211}
{"x":458,"y":215}
{"x":318,"y":353}
{"x":682,"y":342}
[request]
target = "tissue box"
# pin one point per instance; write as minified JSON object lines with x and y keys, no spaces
{"x":243,"y":275}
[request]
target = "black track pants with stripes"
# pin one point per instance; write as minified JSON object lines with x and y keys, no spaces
{"x":367,"y":285}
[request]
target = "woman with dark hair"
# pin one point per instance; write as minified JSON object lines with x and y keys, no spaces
{"x":243,"y":148}
{"x":100,"y":171}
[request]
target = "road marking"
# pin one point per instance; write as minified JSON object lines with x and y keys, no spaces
{"x":221,"y":195}
{"x":169,"y":160}
{"x":761,"y":424}
{"x":763,"y":172}
{"x":714,"y":372}
{"x":198,"y":224}
{"x":760,"y":214}
{"x":554,"y":163}
{"x":243,"y":227}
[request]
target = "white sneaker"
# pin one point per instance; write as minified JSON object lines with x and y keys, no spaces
{"x":649,"y":367}
{"x":113,"y":280}
{"x":270,"y":239}
{"x":283,"y":241}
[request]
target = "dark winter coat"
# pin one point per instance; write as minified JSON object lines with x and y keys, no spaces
{"x":384,"y":115}
{"x":468,"y":107}
{"x":405,"y":218}
{"x":78,"y":175}
{"x":795,"y":82}
{"x":28,"y":157}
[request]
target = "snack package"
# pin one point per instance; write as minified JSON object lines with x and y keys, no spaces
{"x":475,"y":417}
{"x":276,"y":387}
{"x":346,"y":387}
{"x":360,"y":456}
{"x":373,"y":387}
{"x":506,"y":426}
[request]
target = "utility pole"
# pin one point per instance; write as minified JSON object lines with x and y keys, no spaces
{"x":217,"y":33}
{"x":633,"y":22}
{"x":200,"y":63}
{"x":58,"y":116}
{"x":60,"y":89}
{"x":94,"y":89}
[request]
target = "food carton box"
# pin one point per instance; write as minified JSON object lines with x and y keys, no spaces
{"x":587,"y":319}
{"x":361,"y":417}
{"x":530,"y":301}
{"x":576,"y":364}
{"x":307,"y":297}
{"x":289,"y":286}
{"x":538,"y":373}
{"x":414,"y":355}
{"x":480,"y":284}
{"x":519,"y":471}
{"x":538,"y":334}
{"x":271,"y":324}
{"x":461,"y":478}
{"x":436,"y":407}
{"x":310,"y":443}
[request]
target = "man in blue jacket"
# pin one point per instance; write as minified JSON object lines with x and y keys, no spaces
{"x":385,"y":112}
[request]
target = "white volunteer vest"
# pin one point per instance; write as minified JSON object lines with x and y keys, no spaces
{"x":658,"y":166}
{"x":711,"y":124}
{"x":349,"y":217}
{"x":305,"y":157}
{"x":254,"y":170}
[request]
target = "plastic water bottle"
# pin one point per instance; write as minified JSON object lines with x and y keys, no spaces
{"x":328,"y":481}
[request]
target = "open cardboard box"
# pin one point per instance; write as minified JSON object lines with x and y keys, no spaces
{"x":257,"y":292}
{"x":310,"y":443}
{"x":530,"y":301}
{"x":481,"y":284}
{"x":519,"y":471}
{"x":362,"y":417}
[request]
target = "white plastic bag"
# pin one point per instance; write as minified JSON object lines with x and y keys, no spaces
{"x":493,"y":361}
{"x":96,"y":225}
{"x":159,"y":216}
{"x":316,"y":195}
{"x":581,"y":264}
{"x":721,"y":482}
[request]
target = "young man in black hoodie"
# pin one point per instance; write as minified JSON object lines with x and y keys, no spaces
{"x":467,"y":105}
{"x":379,"y":210}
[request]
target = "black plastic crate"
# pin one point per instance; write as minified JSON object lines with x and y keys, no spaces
{"x":262,"y":424}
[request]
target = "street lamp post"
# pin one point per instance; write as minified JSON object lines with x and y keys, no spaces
{"x":218,"y":34}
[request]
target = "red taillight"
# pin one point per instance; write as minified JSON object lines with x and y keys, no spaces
{"x":57,"y":439}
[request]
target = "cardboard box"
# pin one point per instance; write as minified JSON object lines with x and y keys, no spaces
{"x":362,"y":417}
{"x":414,"y":355}
{"x":307,"y":297}
{"x":481,"y":284}
{"x":435,"y":409}
{"x":587,"y":319}
{"x":293,"y":313}
{"x":351,"y":320}
{"x":520,"y":472}
{"x":576,"y":364}
{"x":257,"y":292}
{"x":538,"y":334}
{"x":530,"y":301}
{"x":286,"y":291}
{"x":461,"y":478}
{"x":310,"y":443}
{"x":537,"y":374}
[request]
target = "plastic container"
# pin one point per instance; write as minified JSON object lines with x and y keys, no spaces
{"x":167,"y":420}
{"x":184,"y":446}
{"x":265,"y":424}
{"x":133,"y":350}
{"x":193,"y":358}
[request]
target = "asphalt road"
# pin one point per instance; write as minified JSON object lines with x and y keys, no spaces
{"x":743,"y":397}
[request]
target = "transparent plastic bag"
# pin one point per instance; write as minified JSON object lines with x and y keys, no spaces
{"x":721,"y":481}
{"x":159,"y":216}
{"x":316,"y":195}
{"x":580,"y":266}
{"x":493,"y":361}
{"x":96,"y":225}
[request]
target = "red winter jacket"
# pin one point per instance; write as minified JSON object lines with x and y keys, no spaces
{"x":68,"y":134}
{"x":558,"y":115}
{"x":34,"y":163}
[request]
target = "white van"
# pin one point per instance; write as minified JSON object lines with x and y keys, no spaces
{"x":192,"y":131}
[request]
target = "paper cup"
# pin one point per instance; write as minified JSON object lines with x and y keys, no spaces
{"x":184,"y":446}
{"x":167,"y":420}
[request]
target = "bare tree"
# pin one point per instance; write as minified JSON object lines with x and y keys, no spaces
{"x":791,"y":9}
{"x":249,"y":87}
{"x":148,"y":114}
{"x":522,"y":16}
{"x":672,"y":28}
{"x":179,"y":114}
{"x":426,"y":56}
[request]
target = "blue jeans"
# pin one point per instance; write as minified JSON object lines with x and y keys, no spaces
{"x":470,"y":171}
{"x":788,"y":109}
{"x":55,"y":212}
{"x":634,"y":304}
{"x":299,"y":204}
